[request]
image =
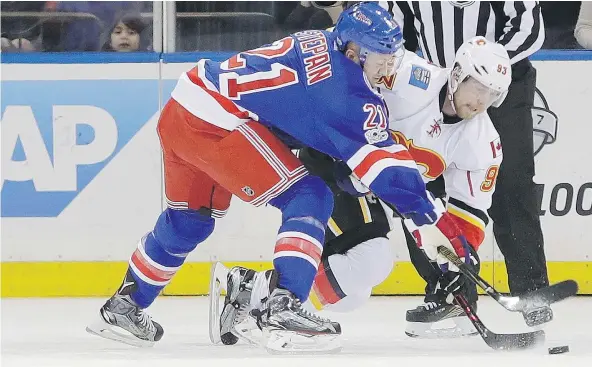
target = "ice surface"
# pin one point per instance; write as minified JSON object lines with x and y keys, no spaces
{"x":51,"y":332}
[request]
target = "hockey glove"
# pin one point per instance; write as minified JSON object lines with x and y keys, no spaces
{"x":450,"y":282}
{"x":443,"y":232}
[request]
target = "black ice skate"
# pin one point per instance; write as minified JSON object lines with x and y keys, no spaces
{"x":437,"y":319}
{"x":120,"y":319}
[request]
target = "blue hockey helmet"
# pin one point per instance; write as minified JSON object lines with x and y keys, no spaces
{"x":371,"y":27}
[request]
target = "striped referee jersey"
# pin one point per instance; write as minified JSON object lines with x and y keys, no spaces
{"x":441,"y":27}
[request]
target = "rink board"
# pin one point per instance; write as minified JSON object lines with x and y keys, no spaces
{"x":82,"y":178}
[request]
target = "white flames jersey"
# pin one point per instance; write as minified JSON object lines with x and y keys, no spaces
{"x":467,"y":153}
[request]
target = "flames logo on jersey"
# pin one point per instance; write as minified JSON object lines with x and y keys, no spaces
{"x":544,"y":123}
{"x":387,"y":81}
{"x":430,"y":160}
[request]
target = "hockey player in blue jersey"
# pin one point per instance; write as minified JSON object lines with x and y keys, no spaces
{"x":227,"y":131}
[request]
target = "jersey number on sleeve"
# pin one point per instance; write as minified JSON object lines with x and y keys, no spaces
{"x":375,"y":131}
{"x":373,"y":112}
{"x":490,"y":177}
{"x":234,"y":85}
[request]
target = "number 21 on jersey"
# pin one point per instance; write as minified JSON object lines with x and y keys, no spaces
{"x":375,"y":124}
{"x":234,"y":85}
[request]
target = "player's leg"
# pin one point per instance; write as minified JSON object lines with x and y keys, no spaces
{"x":344,"y":282}
{"x":260,"y":169}
{"x":193,"y":200}
{"x":357,"y":254}
{"x":427,"y":319}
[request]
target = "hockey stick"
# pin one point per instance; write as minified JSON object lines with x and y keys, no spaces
{"x":530,"y":304}
{"x":527,"y":303}
{"x":500,"y":341}
{"x":493,"y":340}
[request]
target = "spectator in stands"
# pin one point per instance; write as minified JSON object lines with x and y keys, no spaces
{"x":583,"y":31}
{"x":20,"y":33}
{"x":127,"y":35}
{"x":84,"y":34}
{"x":17,"y":45}
{"x":306,"y":16}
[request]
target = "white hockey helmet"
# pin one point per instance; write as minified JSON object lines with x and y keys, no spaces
{"x":486,"y":62}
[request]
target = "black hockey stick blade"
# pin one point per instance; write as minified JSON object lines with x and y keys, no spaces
{"x":514,"y":341}
{"x":538,"y":298}
{"x":500,"y":341}
{"x":547,"y":295}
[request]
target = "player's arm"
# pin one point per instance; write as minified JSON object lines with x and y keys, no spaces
{"x":470,"y":192}
{"x":360,"y":137}
{"x":390,"y":172}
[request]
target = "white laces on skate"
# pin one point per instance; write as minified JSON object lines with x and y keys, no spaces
{"x":430,"y":305}
{"x":145,"y":320}
{"x":309,"y":315}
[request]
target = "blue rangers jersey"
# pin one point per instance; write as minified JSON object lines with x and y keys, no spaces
{"x":306,"y":91}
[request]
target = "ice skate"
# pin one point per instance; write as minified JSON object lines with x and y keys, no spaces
{"x":120,"y":319}
{"x":233,"y":322}
{"x":437,"y":319}
{"x":289,"y":328}
{"x":259,"y":313}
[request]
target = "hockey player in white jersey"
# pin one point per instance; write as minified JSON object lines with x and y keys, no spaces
{"x":440,"y":116}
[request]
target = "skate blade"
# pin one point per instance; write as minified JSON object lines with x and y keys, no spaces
{"x":461,"y":328}
{"x":249,"y":332}
{"x":115,"y":333}
{"x":289,"y":342}
{"x":219,"y":274}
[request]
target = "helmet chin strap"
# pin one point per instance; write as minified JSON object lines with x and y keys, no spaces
{"x":450,"y":96}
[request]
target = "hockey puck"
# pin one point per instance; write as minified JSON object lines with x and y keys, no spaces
{"x":559,"y":350}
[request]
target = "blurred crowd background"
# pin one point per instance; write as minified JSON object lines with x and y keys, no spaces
{"x":126,"y":26}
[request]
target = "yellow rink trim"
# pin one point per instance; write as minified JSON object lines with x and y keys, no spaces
{"x":80,"y":279}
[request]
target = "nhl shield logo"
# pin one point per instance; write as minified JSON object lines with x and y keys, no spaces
{"x":249,"y":191}
{"x":461,"y":4}
{"x":544,"y":123}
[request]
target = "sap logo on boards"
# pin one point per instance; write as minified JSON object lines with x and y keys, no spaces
{"x":58,"y":135}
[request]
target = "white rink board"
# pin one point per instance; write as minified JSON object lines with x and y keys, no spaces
{"x":106,"y":217}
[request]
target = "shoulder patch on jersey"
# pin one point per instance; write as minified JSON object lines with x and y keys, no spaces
{"x":376,"y":135}
{"x":496,"y":147}
{"x":420,"y":77}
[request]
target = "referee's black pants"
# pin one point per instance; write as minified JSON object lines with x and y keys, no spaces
{"x":514,"y":209}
